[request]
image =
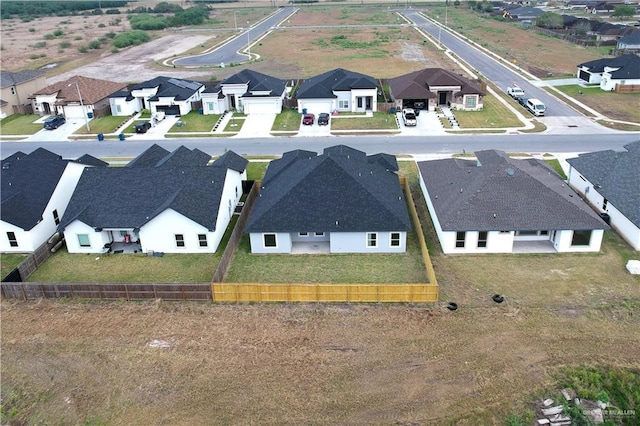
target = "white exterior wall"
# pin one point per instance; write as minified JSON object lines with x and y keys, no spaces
{"x":344,"y":96}
{"x":562,"y":242}
{"x":126,"y":108}
{"x":42,"y":99}
{"x":355,"y":93}
{"x":356,"y":242}
{"x":262,"y":105}
{"x":159,"y":234}
{"x":317,"y":106}
{"x":283,"y":243}
{"x":608,"y":84}
{"x":97,"y":240}
{"x":497,"y":242}
{"x":77,"y":111}
{"x":144,"y":94}
{"x":212,"y":105}
{"x":23,"y":238}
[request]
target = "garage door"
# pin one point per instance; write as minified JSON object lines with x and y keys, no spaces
{"x":584,"y":75}
{"x":314,"y":107}
{"x":169,"y":109}
{"x":73,"y":111}
{"x":270,"y":107}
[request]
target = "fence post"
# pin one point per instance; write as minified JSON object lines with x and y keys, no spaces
{"x":24,"y":294}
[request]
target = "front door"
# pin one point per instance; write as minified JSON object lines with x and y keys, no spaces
{"x":442,"y":98}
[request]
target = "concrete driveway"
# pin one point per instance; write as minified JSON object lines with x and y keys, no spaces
{"x":156,"y":131}
{"x":428,"y":124}
{"x":257,"y":126}
{"x":61,"y":133}
{"x":314,"y":129}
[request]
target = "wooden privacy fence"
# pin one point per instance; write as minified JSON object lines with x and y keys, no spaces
{"x":126,"y":291}
{"x":627,"y":88}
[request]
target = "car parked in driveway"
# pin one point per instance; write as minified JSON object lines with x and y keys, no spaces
{"x":308,"y":119}
{"x":323,"y":119}
{"x":54,"y":122}
{"x":142,"y":127}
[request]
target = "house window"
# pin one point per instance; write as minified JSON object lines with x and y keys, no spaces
{"x":581,"y":238}
{"x":359,"y":102}
{"x":344,"y":104}
{"x":303,"y":234}
{"x":270,"y":240}
{"x":56,"y":219}
{"x":118,"y":109}
{"x":83,"y":240}
{"x":13,"y":90}
{"x":123,"y":233}
{"x":604,"y":204}
{"x":395,"y":239}
{"x":544,"y":232}
{"x":319,"y":234}
{"x":13,"y":242}
{"x":583,"y":178}
{"x":202,"y":240}
{"x":470,"y":101}
{"x":526,"y":233}
{"x":209,"y":106}
{"x":179,"y":240}
{"x":460,"y":237}
{"x":372,"y":239}
{"x":482,"y":239}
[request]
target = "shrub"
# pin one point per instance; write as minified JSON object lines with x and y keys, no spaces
{"x":64,"y":44}
{"x":145,"y":21}
{"x":32,"y":30}
{"x":49,"y":36}
{"x":77,"y":38}
{"x":110,"y":35}
{"x":83,"y":49}
{"x":39,"y":44}
{"x":58,"y":32}
{"x":130,"y":38}
{"x":112,"y":12}
{"x":101,"y":25}
{"x":94,"y":44}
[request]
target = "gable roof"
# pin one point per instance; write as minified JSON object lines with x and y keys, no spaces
{"x":616,"y":176}
{"x":322,"y":86}
{"x":417,"y":84}
{"x":92,"y":90}
{"x":341,"y":190}
{"x":629,"y":66}
{"x":8,"y":78}
{"x":28,"y":182}
{"x":257,"y":82}
{"x":632,"y":38}
{"x":129,"y":197}
{"x":169,"y":87}
{"x":156,"y":156}
{"x":231,"y":160}
{"x":500,"y":193}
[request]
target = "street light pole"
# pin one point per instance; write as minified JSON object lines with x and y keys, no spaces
{"x":249,"y":39}
{"x":84,"y":112}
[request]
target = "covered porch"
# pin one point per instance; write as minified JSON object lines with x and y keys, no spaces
{"x":317,"y":247}
{"x":533,"y":246}
{"x":122,"y":247}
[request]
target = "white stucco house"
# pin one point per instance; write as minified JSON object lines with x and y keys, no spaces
{"x":341,"y":201}
{"x":609,"y":72}
{"x":338,"y":90}
{"x":497,"y":204}
{"x":36,"y":189}
{"x":610,"y":182}
{"x":248,"y":92}
{"x":162,"y":206}
{"x":173,"y":96}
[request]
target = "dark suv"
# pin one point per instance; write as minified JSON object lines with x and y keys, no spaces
{"x":323,"y":119}
{"x":54,"y":122}
{"x":143,"y":127}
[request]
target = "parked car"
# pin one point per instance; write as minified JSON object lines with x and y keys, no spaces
{"x":142,"y":127}
{"x":523,"y":101}
{"x":536,"y":107}
{"x":409,"y":117}
{"x":323,"y":119}
{"x":308,"y":119}
{"x":54,"y":122}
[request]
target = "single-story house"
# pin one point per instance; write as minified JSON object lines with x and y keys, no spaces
{"x":497,"y":204}
{"x":171,"y":95}
{"x":610,"y":181}
{"x":432,"y":87}
{"x":523,"y":13}
{"x":338,"y":90}
{"x":16,"y":88}
{"x":156,"y":156}
{"x":248,"y":91}
{"x":342,"y":201}
{"x":74,"y":97}
{"x":609,"y":72}
{"x":171,"y":208}
{"x":630,"y":42}
{"x":36,"y":189}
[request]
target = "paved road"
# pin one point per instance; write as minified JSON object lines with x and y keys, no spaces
{"x":441,"y":145}
{"x":501,"y":75}
{"x":228,"y":52}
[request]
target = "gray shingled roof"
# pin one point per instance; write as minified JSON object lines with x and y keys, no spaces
{"x":169,"y":87}
{"x":417,"y":84}
{"x":27,"y":183}
{"x":618,"y":176}
{"x":629,"y":66}
{"x":130,"y":197}
{"x":156,"y":156}
{"x":257,"y":82}
{"x":341,"y":190}
{"x":8,"y":78}
{"x":231,"y":160}
{"x":322,"y":86}
{"x":503,"y":194}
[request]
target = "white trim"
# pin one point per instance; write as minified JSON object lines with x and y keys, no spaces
{"x":275,"y":237}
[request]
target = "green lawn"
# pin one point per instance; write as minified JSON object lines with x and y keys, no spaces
{"x":287,"y":120}
{"x":379,"y":121}
{"x":196,"y":122}
{"x":234,"y":125}
{"x":19,"y":124}
{"x":131,"y":127}
{"x":108,"y":124}
{"x":256,"y":169}
{"x":493,"y":115}
{"x":8,"y":261}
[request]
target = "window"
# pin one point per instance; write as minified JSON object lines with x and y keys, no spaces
{"x":202,"y":240}
{"x":372,"y":239}
{"x":13,"y":242}
{"x":544,"y":232}
{"x":581,"y":238}
{"x":13,"y":90}
{"x":303,"y":234}
{"x":118,"y":109}
{"x":359,"y":102}
{"x":56,"y":219}
{"x":526,"y":233}
{"x":395,"y":239}
{"x":470,"y":101}
{"x":210,"y":106}
{"x":123,"y":233}
{"x":604,"y":204}
{"x":319,"y":234}
{"x":460,"y":237}
{"x":343,"y":104}
{"x":83,"y":240}
{"x":482,"y":239}
{"x":270,"y":240}
{"x":179,"y":240}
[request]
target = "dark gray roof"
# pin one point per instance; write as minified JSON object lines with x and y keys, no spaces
{"x":629,"y":65}
{"x":498,"y":193}
{"x":632,"y":38}
{"x":257,"y":82}
{"x":169,"y":87}
{"x":27,"y":183}
{"x":90,"y":160}
{"x":341,"y":190}
{"x":617,"y":176}
{"x":156,"y":156}
{"x":322,"y":86}
{"x":8,"y":78}
{"x":231,"y":160}
{"x":123,"y":197}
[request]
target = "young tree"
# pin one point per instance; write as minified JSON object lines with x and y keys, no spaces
{"x":624,"y":11}
{"x":549,"y":20}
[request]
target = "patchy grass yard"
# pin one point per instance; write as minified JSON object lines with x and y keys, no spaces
{"x":234,"y":125}
{"x":618,"y":106}
{"x":287,"y":120}
{"x":8,"y":261}
{"x":107,"y":124}
{"x":493,"y":115}
{"x":379,"y":121}
{"x":20,"y":124}
{"x":196,"y":122}
{"x":131,"y":128}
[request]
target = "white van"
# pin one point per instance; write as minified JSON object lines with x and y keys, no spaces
{"x":536,"y":106}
